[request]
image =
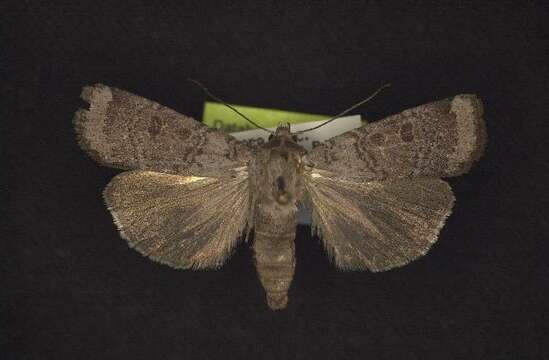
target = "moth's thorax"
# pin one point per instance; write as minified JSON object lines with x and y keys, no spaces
{"x":276,"y":170}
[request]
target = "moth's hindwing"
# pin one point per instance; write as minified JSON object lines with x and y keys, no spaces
{"x":182,"y":221}
{"x":377,"y":225}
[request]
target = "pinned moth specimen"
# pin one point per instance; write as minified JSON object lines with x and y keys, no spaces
{"x":191,"y":192}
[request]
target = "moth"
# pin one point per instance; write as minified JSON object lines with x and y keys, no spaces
{"x":191,"y":193}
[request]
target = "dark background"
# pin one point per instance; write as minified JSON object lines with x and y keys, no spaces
{"x":71,"y":287}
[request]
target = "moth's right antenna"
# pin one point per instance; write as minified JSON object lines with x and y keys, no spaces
{"x":207,"y":92}
{"x":346,"y":111}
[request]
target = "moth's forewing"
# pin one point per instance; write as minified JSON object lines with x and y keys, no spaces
{"x":126,"y":131}
{"x":438,"y":139}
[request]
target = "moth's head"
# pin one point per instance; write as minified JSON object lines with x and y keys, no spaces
{"x":283,"y":134}
{"x":283,"y":130}
{"x":283,"y":141}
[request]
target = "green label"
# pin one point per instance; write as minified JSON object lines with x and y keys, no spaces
{"x":220,"y":117}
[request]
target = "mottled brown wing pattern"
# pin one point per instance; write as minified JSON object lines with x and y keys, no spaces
{"x":377,"y":225}
{"x":181,"y":221}
{"x":127,"y":131}
{"x":439,"y":139}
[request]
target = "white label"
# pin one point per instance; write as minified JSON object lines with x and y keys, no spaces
{"x":309,"y":139}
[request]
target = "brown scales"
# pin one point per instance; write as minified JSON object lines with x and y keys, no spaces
{"x":375,"y":193}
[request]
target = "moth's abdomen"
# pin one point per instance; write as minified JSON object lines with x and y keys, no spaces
{"x":274,"y":250}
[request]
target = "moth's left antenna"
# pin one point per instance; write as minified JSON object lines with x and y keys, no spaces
{"x":207,"y":92}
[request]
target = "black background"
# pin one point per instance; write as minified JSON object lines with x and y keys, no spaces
{"x":71,"y":287}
